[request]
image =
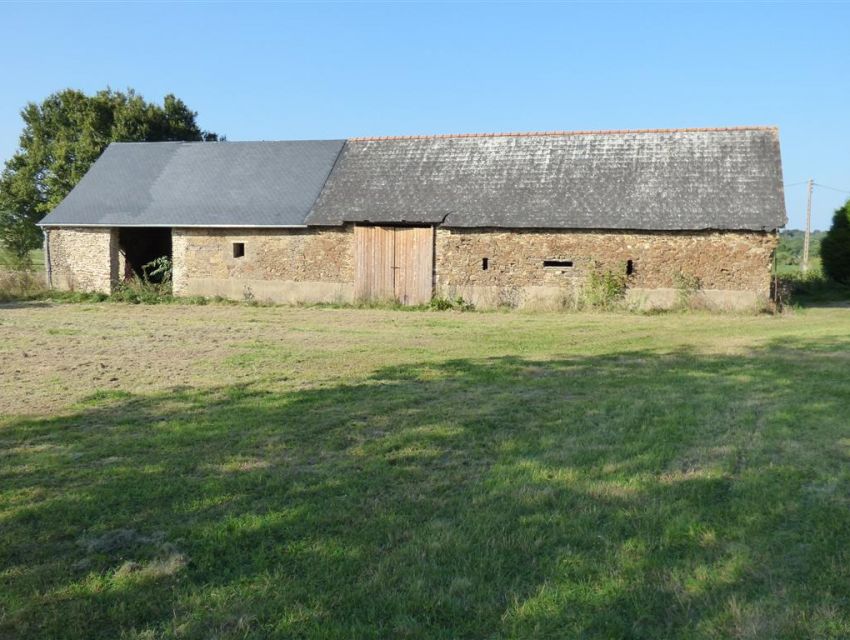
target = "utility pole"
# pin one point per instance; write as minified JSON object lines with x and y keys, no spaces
{"x":808,"y":228}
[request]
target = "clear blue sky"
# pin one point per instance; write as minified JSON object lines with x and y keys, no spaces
{"x":278,"y":71}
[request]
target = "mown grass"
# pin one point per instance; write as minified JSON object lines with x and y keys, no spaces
{"x":379,"y":474}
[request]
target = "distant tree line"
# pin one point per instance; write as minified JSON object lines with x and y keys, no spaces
{"x":790,"y":249}
{"x":61,"y":139}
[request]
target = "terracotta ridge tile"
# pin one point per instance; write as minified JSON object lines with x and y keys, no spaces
{"x":532,"y":134}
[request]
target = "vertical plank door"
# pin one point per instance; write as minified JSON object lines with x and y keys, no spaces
{"x":373,"y":263}
{"x":414,"y":265}
{"x":394,"y":263}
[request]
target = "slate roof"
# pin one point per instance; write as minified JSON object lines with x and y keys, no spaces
{"x":200,"y":184}
{"x":683,"y":179}
{"x":668,"y":179}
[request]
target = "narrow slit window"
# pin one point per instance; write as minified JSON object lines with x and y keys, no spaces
{"x":238,"y":249}
{"x":557,"y":264}
{"x":630,"y":267}
{"x":485,"y":264}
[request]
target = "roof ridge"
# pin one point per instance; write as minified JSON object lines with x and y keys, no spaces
{"x":532,"y":134}
{"x":222,"y":142}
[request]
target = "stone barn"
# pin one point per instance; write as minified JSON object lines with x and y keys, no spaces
{"x":498,"y":219}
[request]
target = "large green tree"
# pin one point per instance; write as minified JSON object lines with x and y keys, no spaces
{"x":835,"y":247}
{"x":63,"y":136}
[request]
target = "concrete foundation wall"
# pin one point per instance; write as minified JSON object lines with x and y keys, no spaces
{"x":279,"y":265}
{"x":82,"y":259}
{"x":732,"y":268}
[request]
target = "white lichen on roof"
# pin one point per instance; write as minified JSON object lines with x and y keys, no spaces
{"x":666,"y":179}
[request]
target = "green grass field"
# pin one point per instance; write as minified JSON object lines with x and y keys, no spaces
{"x":794,"y":269}
{"x":36,"y":257}
{"x":241,"y":472}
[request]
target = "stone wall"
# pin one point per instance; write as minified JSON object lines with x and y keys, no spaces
{"x":317,"y":264}
{"x":279,"y":265}
{"x":82,"y":258}
{"x":733,"y":268}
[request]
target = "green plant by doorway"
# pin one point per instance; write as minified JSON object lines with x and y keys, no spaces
{"x":153,"y":287}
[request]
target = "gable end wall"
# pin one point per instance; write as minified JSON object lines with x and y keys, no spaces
{"x":82,"y":258}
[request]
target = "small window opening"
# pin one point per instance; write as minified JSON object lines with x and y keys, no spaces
{"x":485,"y":264}
{"x":238,"y":249}
{"x":558,"y":264}
{"x":630,"y":267}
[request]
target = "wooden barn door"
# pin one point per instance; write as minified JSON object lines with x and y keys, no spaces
{"x":394,"y":263}
{"x":414,"y":265}
{"x":374,"y":251}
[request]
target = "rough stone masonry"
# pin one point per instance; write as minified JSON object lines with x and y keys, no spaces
{"x":732,"y":267}
{"x":316,"y":265}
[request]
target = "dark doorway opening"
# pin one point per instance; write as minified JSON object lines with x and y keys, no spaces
{"x":140,"y":246}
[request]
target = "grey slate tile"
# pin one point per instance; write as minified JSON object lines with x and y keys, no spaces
{"x":664,"y":180}
{"x":200,"y":184}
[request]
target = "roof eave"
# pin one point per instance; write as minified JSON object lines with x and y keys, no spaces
{"x":175,"y":226}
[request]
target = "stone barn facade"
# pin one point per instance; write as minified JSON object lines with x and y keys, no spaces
{"x":498,"y":219}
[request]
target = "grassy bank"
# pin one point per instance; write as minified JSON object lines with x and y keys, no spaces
{"x":241,"y":472}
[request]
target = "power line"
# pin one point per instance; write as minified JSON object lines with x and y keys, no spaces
{"x":817,"y":184}
{"x":823,"y":186}
{"x":805,"y":264}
